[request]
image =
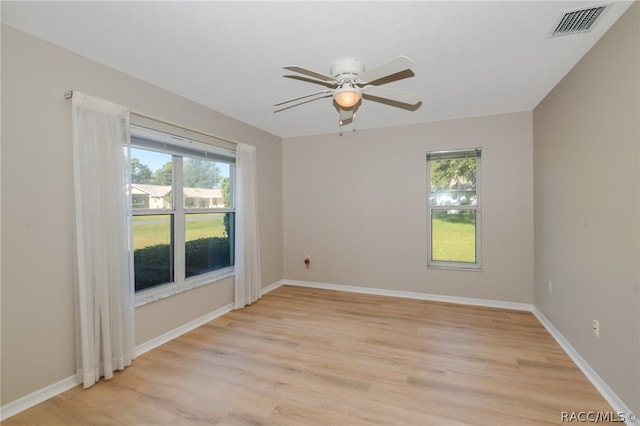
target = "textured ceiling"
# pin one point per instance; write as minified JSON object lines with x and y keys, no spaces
{"x":472,"y":58}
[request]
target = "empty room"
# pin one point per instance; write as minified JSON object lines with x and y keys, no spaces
{"x":320,"y":212}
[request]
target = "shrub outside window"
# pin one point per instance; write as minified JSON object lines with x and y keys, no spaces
{"x":183,"y":212}
{"x":453,"y":225}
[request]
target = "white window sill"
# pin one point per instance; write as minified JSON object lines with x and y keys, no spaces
{"x":455,"y":266}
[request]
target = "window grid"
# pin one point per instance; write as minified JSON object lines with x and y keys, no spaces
{"x":178,"y":214}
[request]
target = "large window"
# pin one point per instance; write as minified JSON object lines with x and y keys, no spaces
{"x":183,"y":212}
{"x":454,"y":209}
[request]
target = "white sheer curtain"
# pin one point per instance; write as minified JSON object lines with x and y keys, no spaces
{"x":247,"y":244}
{"x":103,"y":275}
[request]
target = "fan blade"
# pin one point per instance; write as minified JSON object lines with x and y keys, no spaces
{"x":394,"y":66}
{"x":392,"y":94}
{"x":304,"y":96}
{"x":302,"y":102}
{"x":346,"y":116}
{"x":327,"y":84}
{"x":310,"y":73}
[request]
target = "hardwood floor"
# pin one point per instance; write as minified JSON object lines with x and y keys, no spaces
{"x":305,"y":356}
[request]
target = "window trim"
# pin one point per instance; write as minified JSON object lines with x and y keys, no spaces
{"x":179,"y":147}
{"x":455,"y":265}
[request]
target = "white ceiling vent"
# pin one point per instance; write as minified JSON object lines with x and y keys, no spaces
{"x":578,"y":21}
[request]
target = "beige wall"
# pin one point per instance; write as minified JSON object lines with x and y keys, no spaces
{"x":357,"y":205}
{"x":586,"y":167}
{"x":37,"y":285}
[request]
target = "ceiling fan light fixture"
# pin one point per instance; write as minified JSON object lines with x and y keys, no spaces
{"x":347,"y":96}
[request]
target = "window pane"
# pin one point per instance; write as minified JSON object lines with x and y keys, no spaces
{"x":152,"y":250}
{"x":453,"y":235}
{"x":206,"y":184}
{"x":208,"y":245}
{"x":151,"y":178}
{"x":453,"y":182}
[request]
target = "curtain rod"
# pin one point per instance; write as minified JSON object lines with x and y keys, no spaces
{"x":69,"y":94}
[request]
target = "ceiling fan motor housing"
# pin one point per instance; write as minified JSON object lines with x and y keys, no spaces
{"x":347,"y":69}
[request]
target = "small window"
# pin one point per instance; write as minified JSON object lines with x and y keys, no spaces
{"x":183,"y":212}
{"x":453,"y":225}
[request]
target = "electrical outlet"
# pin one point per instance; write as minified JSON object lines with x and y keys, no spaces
{"x":550,"y":287}
{"x":596,"y":328}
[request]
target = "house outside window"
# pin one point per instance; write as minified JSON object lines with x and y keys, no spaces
{"x":183,"y":213}
{"x":453,"y":223}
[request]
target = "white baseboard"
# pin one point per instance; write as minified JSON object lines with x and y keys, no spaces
{"x":41,"y":395}
{"x":608,"y":394}
{"x":414,"y":295}
{"x":28,"y":401}
{"x":172,"y":334}
{"x":601,"y":386}
{"x":34,"y":398}
{"x":271,"y":287}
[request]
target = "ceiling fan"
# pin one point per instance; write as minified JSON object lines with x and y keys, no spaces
{"x":349,"y":81}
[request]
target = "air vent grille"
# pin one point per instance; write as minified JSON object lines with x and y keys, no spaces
{"x":578,"y":21}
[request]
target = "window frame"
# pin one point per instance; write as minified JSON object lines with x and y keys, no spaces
{"x":179,"y":147}
{"x":446,"y":264}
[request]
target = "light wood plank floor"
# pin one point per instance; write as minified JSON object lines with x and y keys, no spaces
{"x":316,"y":357}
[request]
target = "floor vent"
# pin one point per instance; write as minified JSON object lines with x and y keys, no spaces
{"x":578,"y":21}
